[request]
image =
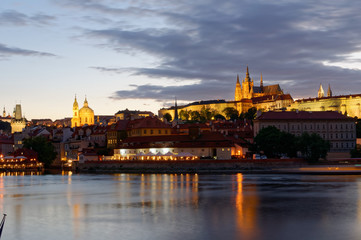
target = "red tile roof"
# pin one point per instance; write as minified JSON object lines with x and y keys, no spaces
{"x":147,"y":122}
{"x":303,"y":115}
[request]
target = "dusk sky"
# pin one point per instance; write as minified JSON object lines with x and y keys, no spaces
{"x":141,"y":54}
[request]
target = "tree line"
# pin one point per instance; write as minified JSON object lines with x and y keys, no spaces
{"x":275,"y":143}
{"x":207,"y":114}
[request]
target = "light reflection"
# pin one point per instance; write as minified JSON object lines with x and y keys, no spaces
{"x":246,"y":206}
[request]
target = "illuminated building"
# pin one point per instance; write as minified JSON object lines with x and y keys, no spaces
{"x":84,"y":116}
{"x":247,"y":95}
{"x":18,"y":122}
{"x":335,"y":127}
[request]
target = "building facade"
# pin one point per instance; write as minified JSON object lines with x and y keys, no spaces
{"x":334,"y":127}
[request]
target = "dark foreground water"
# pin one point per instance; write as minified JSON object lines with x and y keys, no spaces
{"x":181,"y":206}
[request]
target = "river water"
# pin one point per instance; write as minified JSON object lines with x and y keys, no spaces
{"x":181,"y":206}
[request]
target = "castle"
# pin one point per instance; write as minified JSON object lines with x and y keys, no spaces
{"x":247,"y":95}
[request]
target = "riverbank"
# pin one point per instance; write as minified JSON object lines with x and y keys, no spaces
{"x":198,"y":166}
{"x":269,"y":166}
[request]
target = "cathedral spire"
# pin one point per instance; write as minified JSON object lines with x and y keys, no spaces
{"x":329,"y":92}
{"x":247,"y":79}
{"x":237,"y":78}
{"x":321,"y":93}
{"x":261,"y":85}
{"x":175,"y":111}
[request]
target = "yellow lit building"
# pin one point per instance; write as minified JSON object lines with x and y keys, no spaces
{"x":349,"y":105}
{"x":247,"y":95}
{"x":83,"y":116}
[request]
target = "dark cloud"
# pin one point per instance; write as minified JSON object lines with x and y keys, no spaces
{"x":212,"y":41}
{"x":16,"y":18}
{"x":6,"y":51}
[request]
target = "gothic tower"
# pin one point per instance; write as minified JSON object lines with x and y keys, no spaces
{"x":238,"y":91}
{"x":18,"y":122}
{"x":247,"y":86}
{"x":321,"y":93}
{"x":329,"y":92}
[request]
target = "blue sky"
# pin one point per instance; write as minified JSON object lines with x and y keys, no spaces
{"x":141,"y":54}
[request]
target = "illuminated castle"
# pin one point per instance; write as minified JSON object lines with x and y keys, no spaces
{"x":84,"y":116}
{"x":247,"y":95}
{"x":248,"y":91}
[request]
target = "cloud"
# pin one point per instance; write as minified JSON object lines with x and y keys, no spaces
{"x":11,"y":17}
{"x":6,"y":51}
{"x":286,"y":41}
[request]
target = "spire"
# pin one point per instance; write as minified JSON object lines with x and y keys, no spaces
{"x":237,"y":79}
{"x":247,"y":79}
{"x":261,"y":84}
{"x":75,"y":104}
{"x":86,"y":102}
{"x":175,"y":110}
{"x":329,"y":92}
{"x":4,"y":113}
{"x":321,"y":93}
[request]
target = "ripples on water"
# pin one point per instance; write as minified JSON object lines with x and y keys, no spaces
{"x":181,"y":206}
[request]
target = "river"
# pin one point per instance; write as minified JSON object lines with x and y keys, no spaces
{"x":180,"y":206}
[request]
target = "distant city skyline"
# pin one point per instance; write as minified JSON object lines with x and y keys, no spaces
{"x":141,"y":54}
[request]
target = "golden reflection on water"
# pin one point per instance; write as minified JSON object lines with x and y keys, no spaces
{"x":246,"y":205}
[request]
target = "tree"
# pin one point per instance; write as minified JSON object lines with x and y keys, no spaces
{"x":275,"y":143}
{"x":231,"y":113}
{"x":268,"y":141}
{"x":168,"y":117}
{"x":219,"y":117}
{"x":313,"y":147}
{"x":5,"y":126}
{"x":206,"y":114}
{"x":195,"y":116}
{"x":44,"y":148}
{"x":185,"y":114}
{"x":251,"y":114}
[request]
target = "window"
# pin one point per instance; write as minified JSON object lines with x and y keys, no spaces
{"x":151,"y":131}
{"x":159,"y":131}
{"x":145,"y":131}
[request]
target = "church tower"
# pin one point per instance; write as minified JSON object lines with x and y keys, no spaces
{"x":247,"y":86}
{"x":75,"y":121}
{"x":4,"y":113}
{"x":321,"y":93}
{"x":238,"y":91}
{"x":18,"y":122}
{"x":261,"y":84}
{"x":329,"y":92}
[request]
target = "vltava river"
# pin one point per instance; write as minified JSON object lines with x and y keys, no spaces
{"x":181,"y":206}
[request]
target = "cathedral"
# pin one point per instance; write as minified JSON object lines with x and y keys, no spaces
{"x":83,"y":116}
{"x":247,"y":95}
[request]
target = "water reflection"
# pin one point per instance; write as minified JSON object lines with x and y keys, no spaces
{"x":180,"y":206}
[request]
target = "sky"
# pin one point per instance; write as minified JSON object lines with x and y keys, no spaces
{"x":140,"y":55}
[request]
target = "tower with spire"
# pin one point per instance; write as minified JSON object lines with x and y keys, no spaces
{"x":247,"y":86}
{"x":75,"y":121}
{"x":238,"y":91}
{"x":329,"y":92}
{"x":320,"y":93}
{"x":18,"y":122}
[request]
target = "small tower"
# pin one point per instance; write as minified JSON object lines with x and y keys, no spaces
{"x":321,"y":93}
{"x":75,"y":121}
{"x":4,"y":113}
{"x":261,"y":85}
{"x":175,"y":111}
{"x":238,"y":91}
{"x":329,"y":92}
